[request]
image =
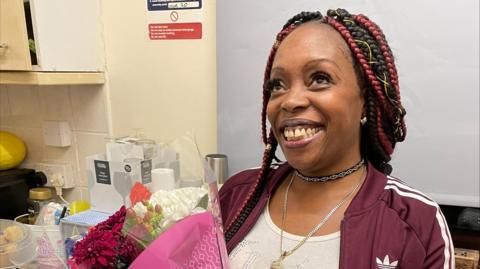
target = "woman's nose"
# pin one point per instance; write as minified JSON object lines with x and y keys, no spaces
{"x":295,"y":99}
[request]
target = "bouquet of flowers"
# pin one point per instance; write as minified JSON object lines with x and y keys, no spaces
{"x":179,"y":228}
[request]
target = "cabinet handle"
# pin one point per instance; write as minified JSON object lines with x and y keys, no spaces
{"x":3,"y":45}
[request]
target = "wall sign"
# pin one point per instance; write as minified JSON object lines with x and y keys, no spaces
{"x":173,"y":4}
{"x":173,"y":19}
{"x":175,"y":30}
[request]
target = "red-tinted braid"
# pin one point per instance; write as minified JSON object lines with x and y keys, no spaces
{"x":387,"y":144}
{"x":266,"y":162}
{"x":269,"y":153}
{"x":372,"y":135}
{"x":266,"y":78}
{"x":361,"y":59}
{"x":377,"y":33}
{"x":367,"y":31}
{"x":266,"y":94}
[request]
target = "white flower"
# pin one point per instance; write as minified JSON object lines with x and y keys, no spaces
{"x":178,"y":204}
{"x":140,"y":209}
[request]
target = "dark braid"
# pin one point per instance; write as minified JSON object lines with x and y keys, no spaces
{"x":270,"y":141}
{"x":302,"y":17}
{"x":378,"y":78}
{"x":385,"y":114}
{"x":255,"y":192}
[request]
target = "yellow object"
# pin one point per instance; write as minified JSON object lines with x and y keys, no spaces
{"x":78,"y":206}
{"x":12,"y":150}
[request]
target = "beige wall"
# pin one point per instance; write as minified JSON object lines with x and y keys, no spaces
{"x":23,"y":108}
{"x":167,"y":87}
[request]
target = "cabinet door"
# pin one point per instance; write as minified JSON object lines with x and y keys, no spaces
{"x":14,"y":51}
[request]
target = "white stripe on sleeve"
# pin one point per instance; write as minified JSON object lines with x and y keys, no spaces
{"x":449,"y":262}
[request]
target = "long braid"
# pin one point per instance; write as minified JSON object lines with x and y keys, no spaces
{"x":377,"y":33}
{"x":367,"y":41}
{"x":270,"y":141}
{"x":252,"y":198}
{"x":370,"y":76}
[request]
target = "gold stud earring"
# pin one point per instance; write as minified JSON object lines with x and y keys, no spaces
{"x":268,"y":146}
{"x":363,"y":121}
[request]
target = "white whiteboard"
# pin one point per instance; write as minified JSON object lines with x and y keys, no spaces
{"x":436,"y":45}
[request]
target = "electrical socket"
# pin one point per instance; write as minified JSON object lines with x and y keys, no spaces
{"x":52,"y":168}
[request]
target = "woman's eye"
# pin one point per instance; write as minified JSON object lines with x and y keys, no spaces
{"x":275,"y":85}
{"x":320,"y":78}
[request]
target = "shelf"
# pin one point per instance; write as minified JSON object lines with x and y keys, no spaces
{"x":51,"y":78}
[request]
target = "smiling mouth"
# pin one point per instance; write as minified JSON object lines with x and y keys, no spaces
{"x":299,"y":132}
{"x":300,"y":129}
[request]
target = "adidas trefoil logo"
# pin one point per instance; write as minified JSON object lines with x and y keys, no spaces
{"x":385,"y":264}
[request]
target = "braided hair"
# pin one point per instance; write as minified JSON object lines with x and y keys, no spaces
{"x":377,"y":76}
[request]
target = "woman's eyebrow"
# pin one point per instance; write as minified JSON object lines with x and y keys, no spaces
{"x":277,"y":69}
{"x":316,"y":62}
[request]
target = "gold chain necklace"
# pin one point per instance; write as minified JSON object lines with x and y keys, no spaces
{"x":277,"y":264}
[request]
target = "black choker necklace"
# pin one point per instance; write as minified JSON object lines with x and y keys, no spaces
{"x":331,"y":177}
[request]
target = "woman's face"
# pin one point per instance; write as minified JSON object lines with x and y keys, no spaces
{"x":316,"y":104}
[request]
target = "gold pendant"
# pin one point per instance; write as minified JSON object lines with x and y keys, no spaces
{"x":277,"y":264}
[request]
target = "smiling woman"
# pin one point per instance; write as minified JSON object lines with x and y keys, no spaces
{"x":332,"y":99}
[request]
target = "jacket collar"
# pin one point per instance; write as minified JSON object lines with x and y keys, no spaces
{"x":369,"y":192}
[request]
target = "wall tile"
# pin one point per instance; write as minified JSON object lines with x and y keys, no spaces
{"x":89,"y":109}
{"x":24,"y":106}
{"x":77,"y":193}
{"x":4,"y":106}
{"x":88,"y":144}
{"x":55,"y":103}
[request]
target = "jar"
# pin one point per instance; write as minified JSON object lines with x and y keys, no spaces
{"x":37,"y":198}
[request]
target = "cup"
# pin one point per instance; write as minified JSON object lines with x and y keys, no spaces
{"x":219,"y":165}
{"x":162,"y":179}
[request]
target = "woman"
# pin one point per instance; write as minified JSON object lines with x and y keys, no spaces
{"x":332,"y":99}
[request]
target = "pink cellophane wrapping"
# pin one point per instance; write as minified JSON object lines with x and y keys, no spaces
{"x":191,"y":243}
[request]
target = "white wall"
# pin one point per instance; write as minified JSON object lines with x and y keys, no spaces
{"x":436,"y":44}
{"x":167,"y":87}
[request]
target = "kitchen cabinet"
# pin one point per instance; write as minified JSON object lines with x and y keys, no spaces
{"x":51,"y":42}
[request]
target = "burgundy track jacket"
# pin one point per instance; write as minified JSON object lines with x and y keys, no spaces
{"x":388,"y":225}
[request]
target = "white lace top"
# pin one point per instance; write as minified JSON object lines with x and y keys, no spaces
{"x":262,"y":246}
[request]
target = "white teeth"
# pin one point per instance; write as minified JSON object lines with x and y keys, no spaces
{"x":299,"y":133}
